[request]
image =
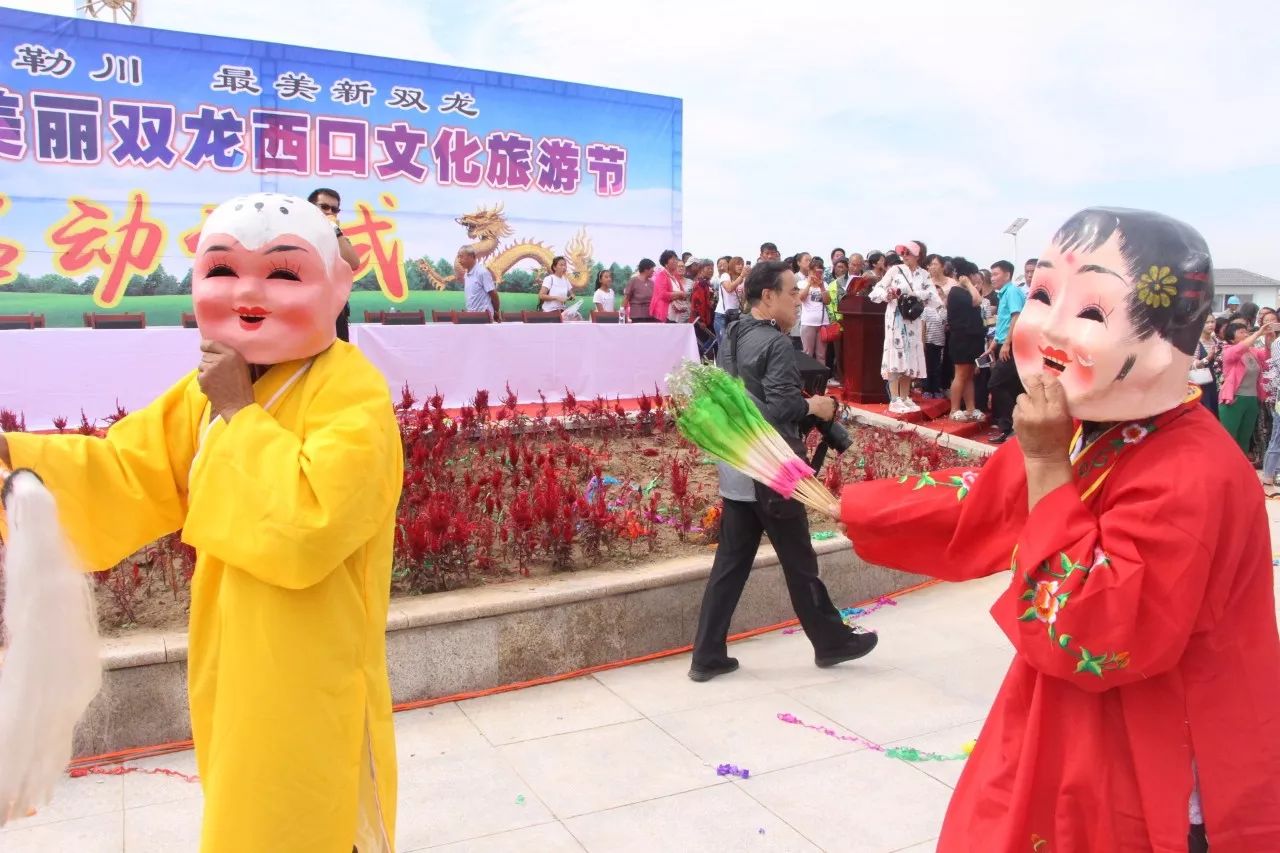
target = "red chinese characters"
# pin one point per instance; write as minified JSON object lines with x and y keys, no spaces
{"x":373,"y":236}
{"x":11,"y":253}
{"x":89,"y":237}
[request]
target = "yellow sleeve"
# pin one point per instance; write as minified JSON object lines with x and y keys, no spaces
{"x":288,"y":509}
{"x":118,"y":493}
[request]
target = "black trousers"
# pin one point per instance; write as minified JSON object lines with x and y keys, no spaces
{"x":982,"y":389}
{"x":934,"y":354}
{"x":1005,"y":388}
{"x":1196,"y":840}
{"x":343,"y":327}
{"x":741,"y":526}
{"x":1209,"y":397}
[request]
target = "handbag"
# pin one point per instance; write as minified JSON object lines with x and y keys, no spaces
{"x":1200,"y":375}
{"x":910,"y":306}
{"x":830,"y":333}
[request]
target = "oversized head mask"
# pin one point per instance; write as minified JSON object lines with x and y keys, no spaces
{"x":268,"y":278}
{"x":1115,"y":308}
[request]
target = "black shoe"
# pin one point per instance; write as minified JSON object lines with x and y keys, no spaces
{"x":855,"y":647}
{"x":1001,"y":438}
{"x":700,"y":674}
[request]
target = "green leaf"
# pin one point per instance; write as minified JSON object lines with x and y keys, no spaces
{"x":1064,"y":639}
{"x":1051,"y":632}
{"x":920,"y":485}
{"x":1064,"y":561}
{"x":1028,"y":616}
{"x":1029,"y":595}
{"x":903,"y":479}
{"x":928,"y":478}
{"x":957,"y":481}
{"x":1062,"y":599}
{"x":964,"y":490}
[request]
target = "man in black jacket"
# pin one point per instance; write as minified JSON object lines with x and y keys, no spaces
{"x":757,"y":349}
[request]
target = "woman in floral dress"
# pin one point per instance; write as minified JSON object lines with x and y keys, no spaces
{"x":903,"y":359}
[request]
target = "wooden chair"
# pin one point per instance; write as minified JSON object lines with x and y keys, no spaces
{"x":21,"y":321}
{"x":471,"y":318}
{"x":543,"y":317}
{"x":404,"y":318}
{"x":513,"y":316}
{"x":442,"y":316}
{"x":373,"y":316}
{"x":605,"y":317}
{"x":118,"y":321}
{"x":188,"y":320}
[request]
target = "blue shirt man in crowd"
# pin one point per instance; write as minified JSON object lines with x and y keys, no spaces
{"x":1005,"y":384}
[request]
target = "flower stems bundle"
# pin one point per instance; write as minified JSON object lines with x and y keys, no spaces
{"x":715,"y":413}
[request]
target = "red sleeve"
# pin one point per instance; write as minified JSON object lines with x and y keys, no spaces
{"x":956,"y":525}
{"x":1108,"y":600}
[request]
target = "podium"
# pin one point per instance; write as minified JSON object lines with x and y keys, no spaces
{"x":862,"y":347}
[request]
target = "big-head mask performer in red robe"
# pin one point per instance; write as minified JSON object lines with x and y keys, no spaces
{"x":1141,"y":710}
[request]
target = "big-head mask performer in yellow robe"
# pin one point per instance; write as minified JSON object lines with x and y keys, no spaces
{"x":279,"y":458}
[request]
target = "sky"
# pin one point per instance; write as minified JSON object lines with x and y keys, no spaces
{"x":861,"y":124}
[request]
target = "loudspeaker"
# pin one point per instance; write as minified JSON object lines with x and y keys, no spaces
{"x":813,"y":373}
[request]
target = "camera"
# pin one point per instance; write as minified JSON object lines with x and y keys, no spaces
{"x":834,"y":437}
{"x":833,"y":434}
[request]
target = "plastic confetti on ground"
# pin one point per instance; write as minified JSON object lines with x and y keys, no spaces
{"x":730,"y":770}
{"x":121,"y":770}
{"x":970,"y":747}
{"x":902,"y":753}
{"x":520,"y":800}
{"x":823,"y":535}
{"x":849,"y":613}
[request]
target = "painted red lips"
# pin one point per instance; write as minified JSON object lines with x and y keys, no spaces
{"x":251,"y":317}
{"x":1055,"y":359}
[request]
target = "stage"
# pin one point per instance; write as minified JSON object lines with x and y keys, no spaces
{"x":52,"y":373}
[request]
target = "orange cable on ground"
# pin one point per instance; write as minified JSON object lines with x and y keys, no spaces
{"x":139,"y":752}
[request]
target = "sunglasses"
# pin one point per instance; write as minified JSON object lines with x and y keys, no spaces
{"x":329,"y":208}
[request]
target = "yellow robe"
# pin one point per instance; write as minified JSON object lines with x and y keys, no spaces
{"x":291,"y":508}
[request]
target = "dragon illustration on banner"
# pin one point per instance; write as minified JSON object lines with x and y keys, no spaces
{"x":488,"y":226}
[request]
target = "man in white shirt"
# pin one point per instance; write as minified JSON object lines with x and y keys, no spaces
{"x":477,"y":284}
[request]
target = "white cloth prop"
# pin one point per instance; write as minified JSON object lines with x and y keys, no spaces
{"x":51,"y":670}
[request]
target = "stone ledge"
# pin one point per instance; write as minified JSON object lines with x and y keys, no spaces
{"x":467,"y":640}
{"x":479,"y":602}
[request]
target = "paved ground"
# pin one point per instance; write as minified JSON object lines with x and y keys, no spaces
{"x":626,"y":760}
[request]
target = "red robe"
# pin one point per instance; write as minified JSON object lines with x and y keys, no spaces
{"x":1142,"y":611}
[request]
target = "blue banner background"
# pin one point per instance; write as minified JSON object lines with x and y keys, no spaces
{"x":179,"y":68}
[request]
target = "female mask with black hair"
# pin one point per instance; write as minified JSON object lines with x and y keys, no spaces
{"x":1117,"y":304}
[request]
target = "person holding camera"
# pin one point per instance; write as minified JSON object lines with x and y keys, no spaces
{"x":330,"y":204}
{"x":757,"y":348}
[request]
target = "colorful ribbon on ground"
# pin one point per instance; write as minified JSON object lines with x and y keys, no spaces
{"x":852,"y":612}
{"x":902,"y":753}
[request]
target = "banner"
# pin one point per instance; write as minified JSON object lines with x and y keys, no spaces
{"x":116,"y":141}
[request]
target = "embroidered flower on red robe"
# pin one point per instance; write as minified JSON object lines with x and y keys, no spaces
{"x":1134,"y":433}
{"x":1046,"y":602}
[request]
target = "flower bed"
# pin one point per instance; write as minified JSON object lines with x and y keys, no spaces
{"x":491,"y":494}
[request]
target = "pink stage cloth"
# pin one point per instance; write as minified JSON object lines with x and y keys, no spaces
{"x":50,"y":373}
